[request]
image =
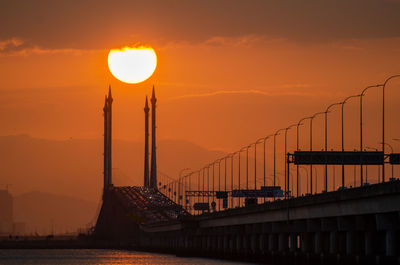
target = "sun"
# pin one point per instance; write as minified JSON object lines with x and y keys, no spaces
{"x":132,"y":64}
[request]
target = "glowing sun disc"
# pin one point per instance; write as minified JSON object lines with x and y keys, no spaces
{"x":132,"y":65}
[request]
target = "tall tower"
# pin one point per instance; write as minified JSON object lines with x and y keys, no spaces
{"x":109,"y":131}
{"x":146,"y":144}
{"x":105,"y":172}
{"x":153,"y":177}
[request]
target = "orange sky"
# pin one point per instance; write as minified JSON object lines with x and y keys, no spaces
{"x":228,"y":72}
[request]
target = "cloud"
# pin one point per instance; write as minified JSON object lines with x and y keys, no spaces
{"x":68,"y":24}
{"x":18,"y":47}
{"x":248,"y":92}
{"x":10,"y":44}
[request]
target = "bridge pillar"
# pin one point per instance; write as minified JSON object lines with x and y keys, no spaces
{"x":292,"y":242}
{"x":350,"y":242}
{"x":262,"y":243}
{"x":238,"y":243}
{"x":368,"y":243}
{"x":254,"y":243}
{"x":333,"y":242}
{"x":220,"y":243}
{"x":204,"y":242}
{"x":272,"y":242}
{"x":283,"y":242}
{"x":306,"y":242}
{"x":245,"y":243}
{"x":390,"y":240}
{"x":226,"y":244}
{"x":318,"y":243}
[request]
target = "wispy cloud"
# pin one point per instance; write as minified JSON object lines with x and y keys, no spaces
{"x":245,"y":92}
{"x":18,"y":47}
{"x":10,"y":43}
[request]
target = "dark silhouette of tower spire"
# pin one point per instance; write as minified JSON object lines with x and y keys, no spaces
{"x":146,"y":144}
{"x":105,"y":153}
{"x":107,"y":111}
{"x":153,"y":176}
{"x":109,"y":135}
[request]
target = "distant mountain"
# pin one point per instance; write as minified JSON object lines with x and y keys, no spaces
{"x":74,"y":167}
{"x":45,"y":213}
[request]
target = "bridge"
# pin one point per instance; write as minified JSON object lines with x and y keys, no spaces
{"x":231,"y":207}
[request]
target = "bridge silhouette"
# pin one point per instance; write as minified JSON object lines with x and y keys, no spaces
{"x":233,"y":208}
{"x":201,"y":185}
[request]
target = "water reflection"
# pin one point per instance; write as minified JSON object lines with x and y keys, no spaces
{"x":95,"y":256}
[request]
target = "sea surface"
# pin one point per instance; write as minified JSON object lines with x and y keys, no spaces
{"x":95,"y":256}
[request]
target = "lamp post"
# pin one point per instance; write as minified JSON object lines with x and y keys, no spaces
{"x":239,"y":152}
{"x":247,"y":167}
{"x":326,"y":141}
{"x":361,"y":126}
{"x":232,"y":157}
{"x":255,"y":161}
{"x":297,"y":149}
{"x":255,"y":165}
{"x":344,"y":102}
{"x":383,"y":120}
{"x":219,"y":178}
{"x":287,"y":177}
{"x":264,"y":162}
{"x":311,"y":123}
{"x":276,"y":133}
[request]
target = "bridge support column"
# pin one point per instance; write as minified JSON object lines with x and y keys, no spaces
{"x":262,"y":243}
{"x":390,"y":241}
{"x":292,"y":242}
{"x":305,"y":242}
{"x":333,"y":242}
{"x":245,"y":240}
{"x":318,"y":243}
{"x":350,"y":242}
{"x":220,"y":243}
{"x":204,"y":243}
{"x":368,"y":243}
{"x":283,"y":242}
{"x":238,"y":244}
{"x":226,"y":244}
{"x":272,"y":242}
{"x":253,"y":244}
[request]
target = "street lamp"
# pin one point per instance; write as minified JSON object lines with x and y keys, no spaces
{"x":276,"y":133}
{"x":297,"y":149}
{"x":383,"y":119}
{"x":344,"y":102}
{"x":311,"y":123}
{"x":232,"y":158}
{"x":361,"y":123}
{"x":287,"y":177}
{"x":239,"y":152}
{"x":326,"y":141}
{"x":255,"y":159}
{"x":264,"y":163}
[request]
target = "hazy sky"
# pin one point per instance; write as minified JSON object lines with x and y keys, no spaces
{"x":228,"y":72}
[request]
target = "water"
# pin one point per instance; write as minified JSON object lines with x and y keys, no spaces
{"x":95,"y":256}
